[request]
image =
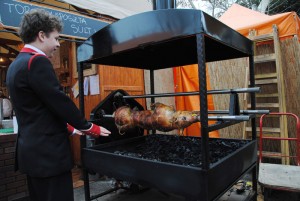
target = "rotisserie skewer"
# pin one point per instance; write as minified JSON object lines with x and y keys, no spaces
{"x":165,"y":118}
{"x":161,"y":117}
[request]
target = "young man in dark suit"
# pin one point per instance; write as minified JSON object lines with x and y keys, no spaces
{"x":43,"y":111}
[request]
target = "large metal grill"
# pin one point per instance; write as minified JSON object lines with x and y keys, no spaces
{"x":156,"y":40}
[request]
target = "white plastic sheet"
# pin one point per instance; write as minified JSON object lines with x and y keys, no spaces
{"x":116,"y":8}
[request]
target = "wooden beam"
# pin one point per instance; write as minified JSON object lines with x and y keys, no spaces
{"x":8,"y":55}
{"x":10,"y":49}
{"x":9,"y":42}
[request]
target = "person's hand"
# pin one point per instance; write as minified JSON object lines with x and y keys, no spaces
{"x":96,"y":131}
{"x":73,"y":130}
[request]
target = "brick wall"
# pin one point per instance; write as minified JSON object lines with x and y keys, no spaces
{"x":13,"y":184}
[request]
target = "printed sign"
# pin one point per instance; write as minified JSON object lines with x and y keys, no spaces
{"x":12,"y":11}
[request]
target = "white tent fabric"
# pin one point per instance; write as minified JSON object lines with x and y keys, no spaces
{"x":115,"y":8}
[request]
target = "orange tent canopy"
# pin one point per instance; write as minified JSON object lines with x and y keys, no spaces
{"x":243,"y":19}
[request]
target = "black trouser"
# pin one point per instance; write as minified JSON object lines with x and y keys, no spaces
{"x":56,"y":188}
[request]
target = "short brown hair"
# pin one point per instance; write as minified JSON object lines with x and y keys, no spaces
{"x":38,"y":20}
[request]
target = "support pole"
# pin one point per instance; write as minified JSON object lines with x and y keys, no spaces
{"x":83,"y":138}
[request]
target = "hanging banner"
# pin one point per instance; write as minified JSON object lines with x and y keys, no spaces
{"x":78,"y":26}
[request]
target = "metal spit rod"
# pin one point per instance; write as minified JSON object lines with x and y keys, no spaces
{"x":217,"y":112}
{"x":219,"y":118}
{"x":241,"y":111}
{"x":221,"y":91}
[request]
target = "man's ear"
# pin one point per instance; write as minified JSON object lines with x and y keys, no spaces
{"x":41,"y":36}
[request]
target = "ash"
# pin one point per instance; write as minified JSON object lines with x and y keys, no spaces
{"x":181,"y":150}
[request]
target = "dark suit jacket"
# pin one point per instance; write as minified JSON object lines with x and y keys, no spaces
{"x":42,"y":110}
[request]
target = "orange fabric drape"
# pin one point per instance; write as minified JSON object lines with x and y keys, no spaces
{"x":243,"y":20}
{"x":186,"y":80}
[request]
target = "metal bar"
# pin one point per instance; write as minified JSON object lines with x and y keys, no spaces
{"x":211,"y":112}
{"x":152,"y":91}
{"x":224,"y":124}
{"x":221,"y":124}
{"x":80,"y":86}
{"x":221,"y":91}
{"x":236,"y":90}
{"x":254,"y":181}
{"x":241,"y":111}
{"x":230,"y":118}
{"x":105,"y":116}
{"x":252,"y":95}
{"x":83,"y":138}
{"x":234,"y":106}
{"x":203,"y":103}
{"x":218,"y":118}
{"x":253,"y":123}
{"x":86,"y":184}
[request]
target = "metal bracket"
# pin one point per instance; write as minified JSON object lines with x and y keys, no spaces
{"x":234,"y":106}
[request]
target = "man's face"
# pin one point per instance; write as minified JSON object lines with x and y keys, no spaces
{"x":51,"y":43}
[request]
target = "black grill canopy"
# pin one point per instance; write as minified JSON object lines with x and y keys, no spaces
{"x":168,"y":35}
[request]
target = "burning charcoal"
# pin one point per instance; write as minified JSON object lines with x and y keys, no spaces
{"x":181,"y":150}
